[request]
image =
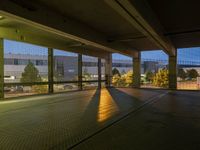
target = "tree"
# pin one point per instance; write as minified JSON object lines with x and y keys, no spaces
{"x":116,"y":71}
{"x":182,"y":74}
{"x":161,"y":78}
{"x":123,"y":72}
{"x":149,"y":76}
{"x":192,"y":73}
{"x":30,"y":74}
{"x":127,"y":78}
{"x":116,"y":79}
{"x":124,"y":80}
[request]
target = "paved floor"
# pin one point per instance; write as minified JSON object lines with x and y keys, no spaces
{"x":122,"y":118}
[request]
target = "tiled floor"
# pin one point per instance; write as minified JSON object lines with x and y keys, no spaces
{"x":122,"y":118}
{"x":63,"y":120}
{"x":169,"y":123}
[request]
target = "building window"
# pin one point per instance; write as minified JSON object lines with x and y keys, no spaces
{"x":15,"y":61}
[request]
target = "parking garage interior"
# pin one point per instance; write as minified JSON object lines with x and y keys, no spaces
{"x":110,"y":74}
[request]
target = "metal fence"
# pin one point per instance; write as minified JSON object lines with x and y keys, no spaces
{"x":27,"y":70}
{"x":188,"y":69}
{"x":154,"y":69}
{"x":122,"y":71}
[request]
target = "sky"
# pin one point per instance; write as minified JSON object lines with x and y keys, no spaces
{"x":185,"y":55}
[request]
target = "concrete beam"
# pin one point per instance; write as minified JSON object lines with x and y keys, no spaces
{"x":25,"y":36}
{"x":51,"y":22}
{"x":137,"y":13}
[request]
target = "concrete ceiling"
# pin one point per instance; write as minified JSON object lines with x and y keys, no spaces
{"x":179,"y":19}
{"x":14,"y":30}
{"x":98,"y":15}
{"x":111,"y":25}
{"x":95,"y":14}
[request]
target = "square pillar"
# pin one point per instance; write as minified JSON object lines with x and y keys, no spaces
{"x":136,"y":69}
{"x":99,"y":72}
{"x":1,"y":69}
{"x":173,"y":72}
{"x":50,"y":69}
{"x":80,"y":64}
{"x":108,"y":70}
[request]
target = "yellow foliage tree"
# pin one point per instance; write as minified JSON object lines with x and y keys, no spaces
{"x":116,"y":80}
{"x":125,"y":80}
{"x":161,"y":78}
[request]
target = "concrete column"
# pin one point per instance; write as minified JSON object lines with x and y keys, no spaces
{"x":1,"y":69}
{"x":173,"y":72}
{"x":108,"y":69}
{"x":80,"y":64}
{"x":99,"y":72}
{"x":136,"y":70}
{"x":50,"y":69}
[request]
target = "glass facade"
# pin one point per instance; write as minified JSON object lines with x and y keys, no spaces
{"x":65,"y":66}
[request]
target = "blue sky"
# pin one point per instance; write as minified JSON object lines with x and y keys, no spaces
{"x":184,"y":54}
{"x":25,"y":48}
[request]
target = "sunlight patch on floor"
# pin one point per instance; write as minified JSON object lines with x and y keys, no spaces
{"x":107,"y":106}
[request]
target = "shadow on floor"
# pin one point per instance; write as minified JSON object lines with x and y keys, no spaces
{"x":123,"y":100}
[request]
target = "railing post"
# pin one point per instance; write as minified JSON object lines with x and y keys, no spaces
{"x":50,"y":69}
{"x":1,"y":69}
{"x":173,"y":72}
{"x":80,"y":64}
{"x":99,"y":72}
{"x":136,"y":69}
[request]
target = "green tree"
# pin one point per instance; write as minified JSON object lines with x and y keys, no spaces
{"x":182,"y":74}
{"x":161,"y":78}
{"x":30,"y":74}
{"x":192,"y":73}
{"x":115,"y":71}
{"x":149,"y":76}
